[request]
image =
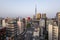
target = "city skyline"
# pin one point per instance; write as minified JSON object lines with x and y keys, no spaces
{"x":23,"y":8}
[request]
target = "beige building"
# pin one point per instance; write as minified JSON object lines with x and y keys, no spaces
{"x":38,"y":16}
{"x":52,"y":32}
{"x":3,"y":23}
{"x":58,"y":20}
{"x":49,"y":32}
{"x":11,"y":29}
{"x":20,"y":26}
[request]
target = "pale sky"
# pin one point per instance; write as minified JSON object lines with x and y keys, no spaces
{"x":25,"y":8}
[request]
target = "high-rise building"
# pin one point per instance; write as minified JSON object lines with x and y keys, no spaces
{"x":42,"y":23}
{"x":53,"y":31}
{"x":44,"y":18}
{"x":20,"y":26}
{"x":3,"y":23}
{"x":58,"y":20}
{"x":38,"y":16}
{"x":44,"y":15}
{"x":11,"y":30}
{"x":50,"y":32}
{"x":24,"y":23}
{"x":43,"y":26}
{"x":26,"y":20}
{"x":43,"y":29}
{"x":33,"y":17}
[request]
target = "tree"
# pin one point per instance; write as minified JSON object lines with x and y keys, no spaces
{"x":28,"y":25}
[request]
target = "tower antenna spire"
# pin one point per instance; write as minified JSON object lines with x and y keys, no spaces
{"x":35,"y":8}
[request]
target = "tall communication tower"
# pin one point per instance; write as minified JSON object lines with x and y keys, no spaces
{"x":35,"y":8}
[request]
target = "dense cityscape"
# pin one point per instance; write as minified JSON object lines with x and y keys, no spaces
{"x":29,"y":20}
{"x":39,"y":27}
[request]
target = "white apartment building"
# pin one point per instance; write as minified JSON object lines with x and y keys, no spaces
{"x":3,"y":23}
{"x":36,"y":32}
{"x":52,"y":32}
{"x":20,"y":26}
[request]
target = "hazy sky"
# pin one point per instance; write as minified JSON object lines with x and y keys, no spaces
{"x":23,"y":8}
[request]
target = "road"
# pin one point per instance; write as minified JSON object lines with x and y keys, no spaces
{"x":29,"y":34}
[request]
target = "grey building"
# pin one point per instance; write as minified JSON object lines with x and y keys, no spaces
{"x":58,"y":20}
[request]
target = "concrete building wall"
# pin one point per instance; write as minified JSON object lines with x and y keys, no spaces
{"x":3,"y":23}
{"x":20,"y":26}
{"x":50,"y":32}
{"x":55,"y":33}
